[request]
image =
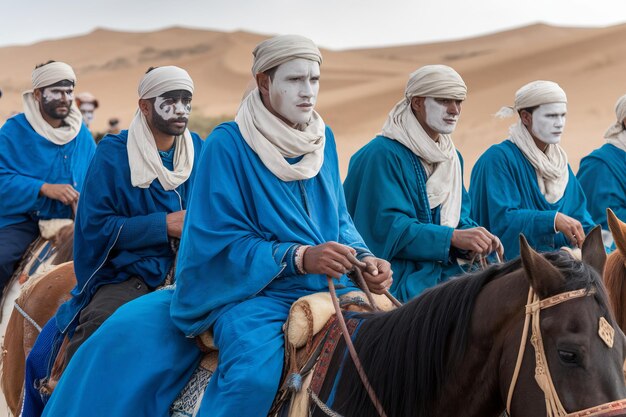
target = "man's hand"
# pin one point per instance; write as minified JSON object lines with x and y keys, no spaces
{"x":330,"y":258}
{"x":571,"y":228}
{"x":175,"y":223}
{"x":377,"y":274}
{"x":64,"y":193}
{"x":477,"y":240}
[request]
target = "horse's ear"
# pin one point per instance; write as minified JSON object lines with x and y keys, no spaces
{"x":543,"y":277}
{"x":593,"y":250}
{"x":618,"y":230}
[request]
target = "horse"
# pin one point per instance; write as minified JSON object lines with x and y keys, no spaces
{"x":615,"y":272}
{"x":42,"y":282}
{"x":463,"y":348}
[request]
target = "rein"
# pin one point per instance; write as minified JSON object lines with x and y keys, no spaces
{"x":554,"y":407}
{"x":360,"y":281}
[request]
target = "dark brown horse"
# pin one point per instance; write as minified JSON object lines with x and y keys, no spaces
{"x":453,"y":351}
{"x":41,"y":285}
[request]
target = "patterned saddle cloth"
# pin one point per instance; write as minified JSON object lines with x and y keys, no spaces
{"x":310,"y":329}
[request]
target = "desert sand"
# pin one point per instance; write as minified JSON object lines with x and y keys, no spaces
{"x":358,"y":87}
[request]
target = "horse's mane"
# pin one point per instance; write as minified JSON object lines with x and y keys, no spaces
{"x":615,"y":280}
{"x":431,"y":334}
{"x":64,"y":243}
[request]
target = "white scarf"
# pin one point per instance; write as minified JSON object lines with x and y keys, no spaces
{"x":143,"y":156}
{"x":145,"y":162}
{"x":615,"y":134}
{"x":440,"y":159}
{"x":273,"y":140}
{"x":551,"y":166}
{"x":59,"y":135}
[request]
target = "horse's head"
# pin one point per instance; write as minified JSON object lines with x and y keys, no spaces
{"x":576,"y":357}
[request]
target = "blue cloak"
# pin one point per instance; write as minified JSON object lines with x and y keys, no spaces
{"x":506,"y":199}
{"x":28,"y":160}
{"x":386,"y":195}
{"x":120,"y":230}
{"x":602,"y":176}
{"x":241,"y":239}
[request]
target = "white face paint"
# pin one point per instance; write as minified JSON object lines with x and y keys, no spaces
{"x":442,"y":115}
{"x":87,"y":110}
{"x":169,"y":108}
{"x":58,"y":93}
{"x":293,"y":90}
{"x":549,"y":122}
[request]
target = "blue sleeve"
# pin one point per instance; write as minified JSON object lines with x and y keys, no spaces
{"x":142,"y":231}
{"x":497,"y":203}
{"x":380,"y":191}
{"x":602,"y":189}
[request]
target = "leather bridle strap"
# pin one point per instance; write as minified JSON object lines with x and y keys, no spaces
{"x":542,"y":373}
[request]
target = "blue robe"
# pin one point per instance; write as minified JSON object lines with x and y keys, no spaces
{"x":506,"y":199}
{"x":120,"y":230}
{"x":602,"y":175}
{"x":386,"y":195}
{"x":234,"y":275}
{"x":28,"y":160}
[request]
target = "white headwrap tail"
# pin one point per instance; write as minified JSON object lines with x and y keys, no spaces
{"x":550,"y":166}
{"x":268,"y":136}
{"x":616,"y":134}
{"x":44,"y":76}
{"x":280,"y":49}
{"x":440,"y":159}
{"x":143,"y":155}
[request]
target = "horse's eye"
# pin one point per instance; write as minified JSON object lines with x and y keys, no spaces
{"x":568,"y":357}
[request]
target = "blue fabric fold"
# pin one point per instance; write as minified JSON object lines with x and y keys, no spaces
{"x":120,"y":229}
{"x":28,"y":160}
{"x":506,"y":199}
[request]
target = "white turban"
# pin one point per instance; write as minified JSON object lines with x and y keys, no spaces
{"x":550,"y":165}
{"x":280,"y":49}
{"x":52,"y":73}
{"x":143,"y":156}
{"x":620,"y":113}
{"x":45,"y":76}
{"x":437,"y":81}
{"x":534,"y":94}
{"x":163,"y":79}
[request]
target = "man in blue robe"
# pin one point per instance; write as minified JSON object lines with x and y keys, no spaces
{"x":263,"y":229}
{"x":44,"y":155}
{"x":131,"y":212}
{"x":602,"y":174}
{"x":405,"y":189}
{"x":525,"y":184}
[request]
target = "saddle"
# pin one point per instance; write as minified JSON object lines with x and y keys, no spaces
{"x":311,"y":334}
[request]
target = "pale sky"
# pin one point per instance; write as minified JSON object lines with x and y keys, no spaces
{"x":336,"y":24}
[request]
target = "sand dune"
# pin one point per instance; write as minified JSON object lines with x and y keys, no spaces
{"x":359,"y":87}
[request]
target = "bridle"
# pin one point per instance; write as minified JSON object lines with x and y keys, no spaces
{"x":554,"y":407}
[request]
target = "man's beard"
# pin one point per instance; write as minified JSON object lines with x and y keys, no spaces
{"x":50,"y":108}
{"x":166,"y":127}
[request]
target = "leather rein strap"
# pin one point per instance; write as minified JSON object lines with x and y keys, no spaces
{"x":554,"y":407}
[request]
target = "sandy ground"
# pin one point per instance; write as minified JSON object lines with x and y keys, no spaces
{"x":359,"y":87}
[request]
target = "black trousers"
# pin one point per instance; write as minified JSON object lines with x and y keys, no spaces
{"x":14,"y":240}
{"x":105,"y":301}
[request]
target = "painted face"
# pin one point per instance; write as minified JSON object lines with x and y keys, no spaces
{"x":171,"y":112}
{"x":442,"y":114}
{"x":87,"y":110}
{"x":56,"y":101}
{"x":293,"y":90}
{"x":549,"y":122}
